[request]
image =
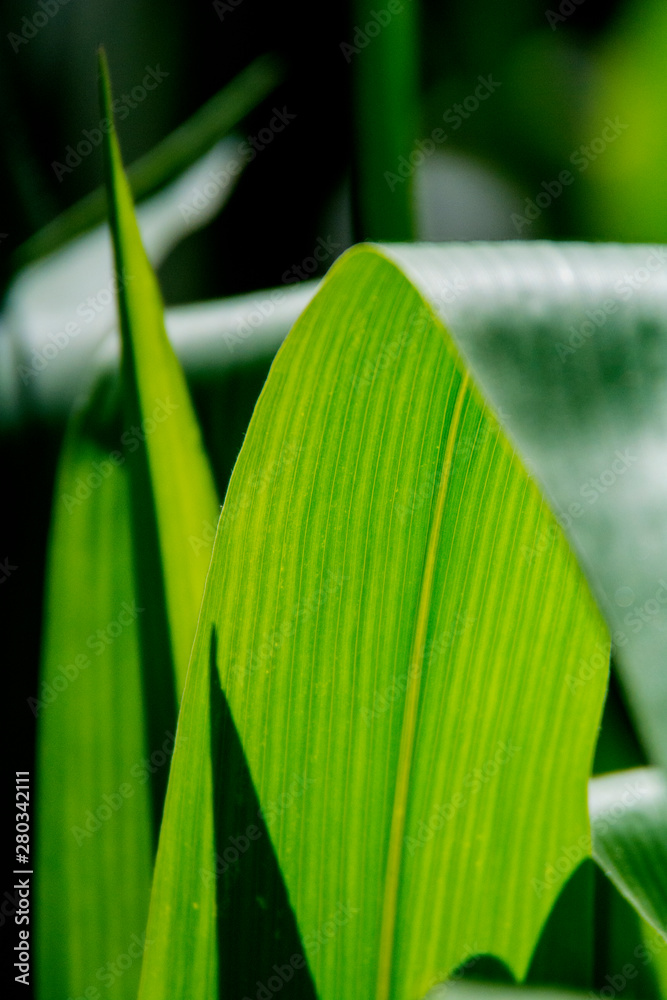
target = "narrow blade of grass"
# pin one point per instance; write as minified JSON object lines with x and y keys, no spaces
{"x":170,"y":157}
{"x":174,"y":495}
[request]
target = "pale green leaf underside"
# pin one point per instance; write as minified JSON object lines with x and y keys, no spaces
{"x":628,"y":812}
{"x":495,"y":991}
{"x":94,"y":811}
{"x":383,"y":640}
{"x":568,"y":342}
{"x":183,"y":494}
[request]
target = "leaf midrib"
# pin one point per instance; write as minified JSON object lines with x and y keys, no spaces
{"x":409,"y":724}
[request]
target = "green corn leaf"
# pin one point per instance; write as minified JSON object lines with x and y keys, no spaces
{"x":130,"y":504}
{"x":95,"y":830}
{"x":629,"y":822}
{"x":169,"y":158}
{"x":174,"y":496}
{"x":379,"y":728}
{"x":568,"y":342}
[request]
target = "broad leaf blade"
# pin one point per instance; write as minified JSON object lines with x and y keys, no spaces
{"x":95,"y":831}
{"x":629,"y":822}
{"x":383,"y":642}
{"x":173,"y":490}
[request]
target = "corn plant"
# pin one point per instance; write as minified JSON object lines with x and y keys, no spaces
{"x":335,"y":737}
